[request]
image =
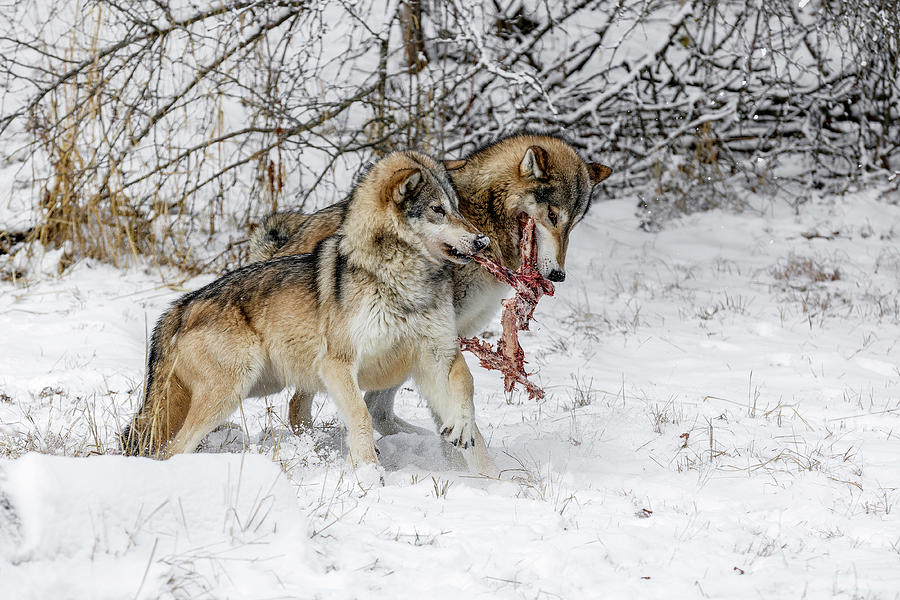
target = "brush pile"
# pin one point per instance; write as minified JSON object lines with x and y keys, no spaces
{"x":530,"y":285}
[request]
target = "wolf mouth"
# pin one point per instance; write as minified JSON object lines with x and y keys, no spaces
{"x":456,"y":255}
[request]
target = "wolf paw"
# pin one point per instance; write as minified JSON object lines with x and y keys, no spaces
{"x":460,"y":432}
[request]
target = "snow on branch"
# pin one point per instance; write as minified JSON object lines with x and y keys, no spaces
{"x":152,"y":126}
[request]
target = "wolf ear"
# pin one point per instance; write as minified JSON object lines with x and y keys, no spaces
{"x":452,"y":165}
{"x":403,"y":183}
{"x":534,"y":163}
{"x":598,"y":172}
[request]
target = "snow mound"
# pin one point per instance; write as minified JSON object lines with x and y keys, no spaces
{"x":134,"y":527}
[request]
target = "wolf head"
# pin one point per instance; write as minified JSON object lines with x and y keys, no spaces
{"x":417,"y":193}
{"x":428,"y":208}
{"x":559,"y":191}
{"x":541,"y":176}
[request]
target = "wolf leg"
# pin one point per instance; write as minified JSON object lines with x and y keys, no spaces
{"x":300,"y":411}
{"x":449,"y":390}
{"x":379,"y":402}
{"x":340,"y":383}
{"x":462,"y":386}
{"x":381,"y":406}
{"x":158,"y":419}
{"x":219,"y":370}
{"x":478,"y":459}
{"x":207,"y":411}
{"x":451,"y":400}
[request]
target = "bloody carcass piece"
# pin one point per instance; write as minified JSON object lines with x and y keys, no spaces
{"x":530,"y":285}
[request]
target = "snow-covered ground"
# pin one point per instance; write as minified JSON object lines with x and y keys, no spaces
{"x":722,"y":421}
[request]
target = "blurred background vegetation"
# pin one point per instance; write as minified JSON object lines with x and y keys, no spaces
{"x":163,"y":129}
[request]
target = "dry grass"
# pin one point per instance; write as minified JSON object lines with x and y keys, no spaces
{"x":736,"y":304}
{"x":799,"y":271}
{"x":540,"y":482}
{"x":56,"y":422}
{"x":441,"y":487}
{"x":90,"y":135}
{"x":83,"y":216}
{"x":809,"y":281}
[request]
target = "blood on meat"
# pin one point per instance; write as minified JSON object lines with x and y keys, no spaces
{"x":530,"y":285}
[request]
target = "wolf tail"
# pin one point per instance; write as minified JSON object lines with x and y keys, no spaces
{"x":274,"y":232}
{"x":166,"y":399}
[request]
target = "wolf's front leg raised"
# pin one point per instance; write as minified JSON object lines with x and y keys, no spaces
{"x":340,"y":383}
{"x":448,"y":387}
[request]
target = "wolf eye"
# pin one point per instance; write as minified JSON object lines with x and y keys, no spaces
{"x":438,"y":209}
{"x":552,"y":215}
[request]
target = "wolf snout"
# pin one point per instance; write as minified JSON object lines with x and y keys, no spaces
{"x":465,"y":248}
{"x":480,"y":242}
{"x":556,"y":275}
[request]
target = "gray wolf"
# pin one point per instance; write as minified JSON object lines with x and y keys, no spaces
{"x":369,"y":306}
{"x":539,"y":175}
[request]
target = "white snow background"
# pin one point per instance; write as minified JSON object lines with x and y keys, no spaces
{"x":721,"y":421}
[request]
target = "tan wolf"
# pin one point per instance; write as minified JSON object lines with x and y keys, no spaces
{"x":370,"y":306}
{"x":539,"y":175}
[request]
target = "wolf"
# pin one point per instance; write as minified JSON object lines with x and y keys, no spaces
{"x":536,"y":174}
{"x":369,"y":306}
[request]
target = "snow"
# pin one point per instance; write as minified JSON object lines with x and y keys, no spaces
{"x":129,"y":521}
{"x":713,"y":428}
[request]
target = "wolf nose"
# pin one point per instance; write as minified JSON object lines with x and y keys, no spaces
{"x":481,"y":242}
{"x":557,"y":275}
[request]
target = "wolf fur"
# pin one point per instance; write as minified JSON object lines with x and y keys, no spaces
{"x":537,"y":174}
{"x":368,"y":307}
